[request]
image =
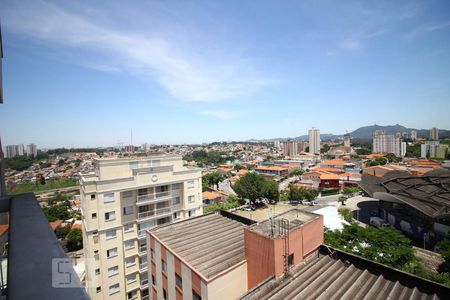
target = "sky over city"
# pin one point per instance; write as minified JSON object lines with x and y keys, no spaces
{"x":86,"y":73}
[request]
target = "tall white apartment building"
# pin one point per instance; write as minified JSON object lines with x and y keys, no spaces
{"x":14,"y":150}
{"x":347,"y":140}
{"x":413,"y":135}
{"x":387,"y":143}
{"x":434,"y":134}
{"x":119,"y":201}
{"x":31,"y":150}
{"x":290,"y":148}
{"x":314,"y":140}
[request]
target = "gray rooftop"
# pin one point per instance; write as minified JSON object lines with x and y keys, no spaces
{"x":210,"y":243}
{"x":295,"y":218}
{"x":326,"y":278}
{"x":429,"y":193}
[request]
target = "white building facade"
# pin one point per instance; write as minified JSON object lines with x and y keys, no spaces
{"x":387,"y":143}
{"x":122,"y":199}
{"x":314,"y":141}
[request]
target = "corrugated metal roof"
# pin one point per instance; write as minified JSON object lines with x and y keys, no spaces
{"x":326,"y":278}
{"x":429,"y":193}
{"x":210,"y":243}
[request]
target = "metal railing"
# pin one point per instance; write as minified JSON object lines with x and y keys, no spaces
{"x":143,"y":266}
{"x":36,"y":259}
{"x":152,"y":197}
{"x":155,"y":212}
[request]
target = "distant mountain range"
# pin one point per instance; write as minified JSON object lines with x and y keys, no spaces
{"x":367,"y":131}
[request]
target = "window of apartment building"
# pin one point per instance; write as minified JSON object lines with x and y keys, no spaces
{"x":163,"y":265}
{"x":147,"y":225}
{"x":190,"y":184}
{"x":127,"y":194}
{"x":142,"y":263}
{"x":113,"y":271}
{"x":130,"y":261}
{"x":191,"y":213}
{"x":108,"y":198}
{"x":114,"y":288}
{"x":110,"y":216}
{"x":128,"y":227}
{"x":142,"y":245}
{"x":176,"y":200}
{"x":144,"y":293}
{"x":176,"y":215}
{"x":176,"y":186}
{"x":153,"y":280}
{"x":164,"y":220}
{"x":111,"y":252}
{"x":95,"y":233}
{"x":98,"y":289}
{"x":128,"y":210}
{"x":191,"y":199}
{"x":97,"y":271}
{"x":94,"y":216}
{"x":92,"y":197}
{"x":162,"y":188}
{"x":129,"y":244}
{"x":152,"y":254}
{"x":164,"y":294}
{"x":142,"y":192}
{"x":132,"y":295}
{"x":111,"y":234}
{"x":195,"y":296}
{"x":291,"y":259}
{"x":134,"y":165}
{"x":131,"y":278}
{"x":178,"y":281}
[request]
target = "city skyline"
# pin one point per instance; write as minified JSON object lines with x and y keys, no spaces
{"x":175,"y":73}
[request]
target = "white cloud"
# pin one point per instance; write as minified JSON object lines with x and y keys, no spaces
{"x":426,"y":28}
{"x":351,"y":44}
{"x":182,"y":71}
{"x":220,"y":114}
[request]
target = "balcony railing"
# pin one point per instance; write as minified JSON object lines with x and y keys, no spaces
{"x":142,"y":248}
{"x":38,"y":268}
{"x":155,"y":212}
{"x":143,"y":266}
{"x":144,"y":282}
{"x":153,"y":197}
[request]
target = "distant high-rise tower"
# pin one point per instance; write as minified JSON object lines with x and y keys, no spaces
{"x":314,"y":141}
{"x":413,"y":135}
{"x":346,"y":140}
{"x":31,"y":150}
{"x":387,"y":143}
{"x":290,"y":148}
{"x":434,"y":134}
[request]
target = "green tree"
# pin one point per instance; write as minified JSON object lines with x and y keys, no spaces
{"x":251,"y":186}
{"x":349,"y":190}
{"x":271,"y":190}
{"x":211,"y":179}
{"x":342,"y":200}
{"x":56,"y":212}
{"x":325,"y":148}
{"x":238,"y":167}
{"x":444,"y":247}
{"x":41,"y":179}
{"x":74,"y":240}
{"x":298,"y":172}
{"x":384,"y":245}
{"x":62,"y":232}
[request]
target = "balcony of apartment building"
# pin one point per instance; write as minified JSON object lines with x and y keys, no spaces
{"x":154,"y":210}
{"x":33,"y":262}
{"x":153,"y":195}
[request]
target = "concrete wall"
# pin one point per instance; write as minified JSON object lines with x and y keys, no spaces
{"x":265,"y":255}
{"x":230,"y":285}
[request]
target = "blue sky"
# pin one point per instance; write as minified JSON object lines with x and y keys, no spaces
{"x":85,"y":73}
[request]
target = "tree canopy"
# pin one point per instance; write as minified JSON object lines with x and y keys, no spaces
{"x":384,"y":245}
{"x":211,"y":179}
{"x":301,"y":193}
{"x":254,"y":186}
